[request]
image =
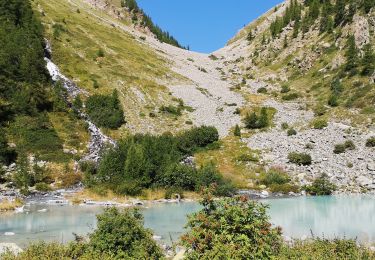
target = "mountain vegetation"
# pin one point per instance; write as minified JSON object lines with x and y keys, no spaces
{"x":140,"y":17}
{"x":147,"y":161}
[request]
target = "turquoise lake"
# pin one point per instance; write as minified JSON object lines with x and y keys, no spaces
{"x":335,"y":216}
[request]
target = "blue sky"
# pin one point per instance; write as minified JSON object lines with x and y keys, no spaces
{"x":204,"y":25}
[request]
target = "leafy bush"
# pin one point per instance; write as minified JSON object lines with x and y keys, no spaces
{"x":299,"y":158}
{"x":291,"y":132}
{"x":231,"y":229}
{"x":320,"y":124}
{"x":321,"y":186}
{"x":105,"y":111}
{"x":7,"y":155}
{"x":197,"y":137}
{"x":290,"y":96}
{"x":247,"y":158}
{"x":341,"y":148}
{"x":370,"y":142}
{"x":285,"y":89}
{"x":262,"y":90}
{"x":325,"y":249}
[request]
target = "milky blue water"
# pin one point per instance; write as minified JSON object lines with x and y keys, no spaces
{"x":335,"y":216}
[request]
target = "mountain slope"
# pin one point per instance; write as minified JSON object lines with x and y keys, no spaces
{"x":311,"y":74}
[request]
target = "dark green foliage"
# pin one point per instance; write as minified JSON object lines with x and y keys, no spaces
{"x":285,"y":89}
{"x":37,"y":135}
{"x":262,"y":90}
{"x":250,"y":36}
{"x":255,"y":121}
{"x":146,"y":161}
{"x":121,"y":234}
{"x":351,"y":55}
{"x":292,"y":13}
{"x":231,"y":229}
{"x":197,"y":137}
{"x":105,"y":111}
{"x":321,"y":186}
{"x":7,"y":155}
{"x":339,"y":10}
{"x":368,"y":61}
{"x":291,"y":96}
{"x":370,"y":142}
{"x":333,"y":100}
{"x":291,"y":132}
{"x":299,"y":158}
{"x":339,"y":148}
{"x":237,"y":131}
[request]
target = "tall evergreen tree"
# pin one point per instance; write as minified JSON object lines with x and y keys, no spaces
{"x":351,"y":55}
{"x":339,"y":12}
{"x":368,"y":61}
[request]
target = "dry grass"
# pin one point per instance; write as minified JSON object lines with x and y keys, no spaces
{"x":128,"y":65}
{"x":225,"y":159}
{"x":9,"y":205}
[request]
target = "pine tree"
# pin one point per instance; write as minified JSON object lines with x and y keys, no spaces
{"x":251,"y":121}
{"x":314,"y":10}
{"x":263,"y":119}
{"x":264,"y":39}
{"x":339,"y":11}
{"x":324,"y":19}
{"x":351,"y":55}
{"x":250,"y":36}
{"x":368,"y":61}
{"x":237,"y":131}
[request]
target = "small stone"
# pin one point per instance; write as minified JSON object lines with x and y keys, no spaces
{"x":371,"y":167}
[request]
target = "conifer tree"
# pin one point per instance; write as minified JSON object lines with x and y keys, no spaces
{"x":237,"y":131}
{"x":351,"y":55}
{"x":339,"y":11}
{"x":368,"y":61}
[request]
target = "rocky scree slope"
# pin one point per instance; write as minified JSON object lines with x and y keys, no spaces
{"x":312,"y":60}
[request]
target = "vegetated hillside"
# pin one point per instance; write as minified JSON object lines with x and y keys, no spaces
{"x":323,"y":51}
{"x":100,"y":53}
{"x":313,"y":62}
{"x":35,"y":120}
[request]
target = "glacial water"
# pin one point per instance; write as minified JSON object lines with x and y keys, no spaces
{"x":335,"y":216}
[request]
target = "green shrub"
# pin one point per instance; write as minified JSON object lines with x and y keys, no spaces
{"x":321,"y":186}
{"x":262,"y":90}
{"x":299,"y":158}
{"x":291,"y":132}
{"x":285,"y":89}
{"x":339,"y":148}
{"x":274,"y":177}
{"x":370,"y":142}
{"x":100,"y":53}
{"x":41,"y":186}
{"x":105,"y":111}
{"x":231,"y":229}
{"x":333,"y":101}
{"x":146,"y":161}
{"x":320,"y":124}
{"x":237,"y":131}
{"x":291,"y":96}
{"x":325,"y":249}
{"x":284,"y":126}
{"x":173,"y":193}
